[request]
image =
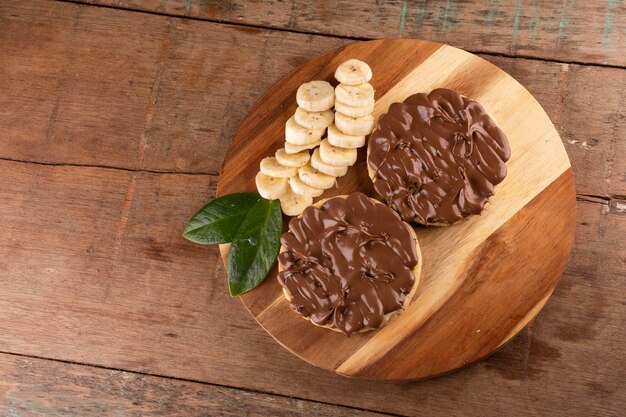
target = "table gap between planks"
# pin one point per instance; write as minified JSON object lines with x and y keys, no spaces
{"x":113,"y":126}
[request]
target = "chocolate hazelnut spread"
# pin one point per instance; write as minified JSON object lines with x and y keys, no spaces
{"x":436,"y":158}
{"x":348,"y":263}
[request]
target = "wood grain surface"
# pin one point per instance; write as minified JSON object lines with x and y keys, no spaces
{"x":572,"y":31}
{"x":484,"y":279}
{"x":93,"y":268}
{"x":156,"y":304}
{"x":181,"y":112}
{"x":36,"y":387}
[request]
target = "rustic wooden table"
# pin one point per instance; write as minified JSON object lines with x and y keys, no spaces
{"x":114,"y":119}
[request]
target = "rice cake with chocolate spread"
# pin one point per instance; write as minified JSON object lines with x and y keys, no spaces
{"x":349,"y":263}
{"x":436,"y":158}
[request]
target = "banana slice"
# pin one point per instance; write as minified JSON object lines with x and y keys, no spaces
{"x":354,"y":125}
{"x":316,"y":96}
{"x":313,"y":119}
{"x":292,"y":159}
{"x":294,"y":204}
{"x":271,"y":167}
{"x":337,"y":138}
{"x":355,"y":95}
{"x":335,"y":156}
{"x":291,"y":148}
{"x":271,"y":187}
{"x":314,"y":178}
{"x":298,"y":135}
{"x":298,"y":187}
{"x":321,"y":166}
{"x":353,"y":111}
{"x":353,"y":72}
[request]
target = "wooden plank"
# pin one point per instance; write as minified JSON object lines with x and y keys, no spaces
{"x":95,"y":271}
{"x":103,"y":87}
{"x":580,"y":31}
{"x":36,"y":387}
{"x":97,"y":86}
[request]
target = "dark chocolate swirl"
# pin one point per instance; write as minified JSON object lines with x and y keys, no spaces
{"x":348,"y":263}
{"x":437,"y":157}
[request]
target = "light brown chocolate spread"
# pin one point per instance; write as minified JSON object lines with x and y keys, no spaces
{"x":348,"y":263}
{"x":437,"y":157}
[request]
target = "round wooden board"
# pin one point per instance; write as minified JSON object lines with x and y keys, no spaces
{"x":482,"y":280}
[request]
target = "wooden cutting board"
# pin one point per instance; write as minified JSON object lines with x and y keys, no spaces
{"x":482,"y":280}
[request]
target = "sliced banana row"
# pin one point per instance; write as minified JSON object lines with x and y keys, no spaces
{"x":295,"y":176}
{"x":307,"y":126}
{"x":288,"y":175}
{"x":354,"y":105}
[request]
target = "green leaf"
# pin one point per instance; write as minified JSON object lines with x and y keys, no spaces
{"x":255,"y":247}
{"x":219,"y":220}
